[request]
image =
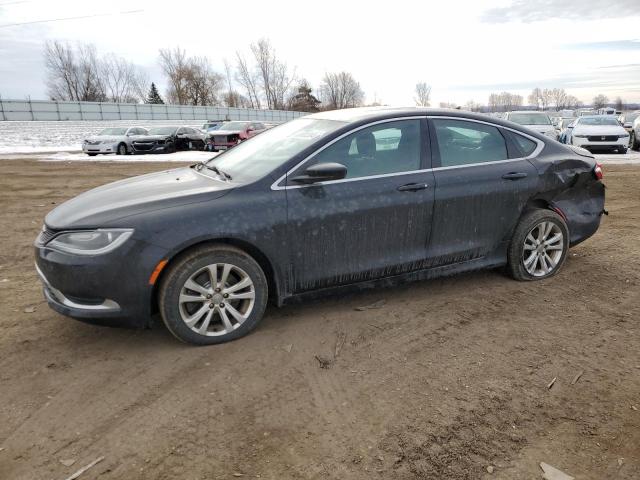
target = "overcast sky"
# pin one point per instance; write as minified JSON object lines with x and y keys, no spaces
{"x":465,"y":49}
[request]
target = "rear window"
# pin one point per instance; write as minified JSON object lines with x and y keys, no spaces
{"x":525,"y":145}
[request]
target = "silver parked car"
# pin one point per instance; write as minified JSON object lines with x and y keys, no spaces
{"x":537,"y":121}
{"x":112,"y":140}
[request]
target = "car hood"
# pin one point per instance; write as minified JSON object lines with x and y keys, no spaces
{"x":149,"y":137}
{"x":541,"y":128}
{"x":599,"y":130}
{"x":105,"y":138}
{"x":109,"y":203}
{"x":226,"y":132}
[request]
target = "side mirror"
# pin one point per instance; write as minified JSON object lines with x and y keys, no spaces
{"x":322,"y":172}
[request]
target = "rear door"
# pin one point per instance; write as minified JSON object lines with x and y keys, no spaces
{"x":483,"y":180}
{"x":371,"y":224}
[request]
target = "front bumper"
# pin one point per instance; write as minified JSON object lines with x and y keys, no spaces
{"x":110,"y":289}
{"x":154,"y":147}
{"x":599,"y":145}
{"x":100,"y":148}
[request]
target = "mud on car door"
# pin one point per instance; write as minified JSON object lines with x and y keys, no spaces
{"x":481,"y":188}
{"x":373,"y":223}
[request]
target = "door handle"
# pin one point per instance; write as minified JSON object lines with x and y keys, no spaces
{"x":412,"y":187}
{"x":514,"y":175}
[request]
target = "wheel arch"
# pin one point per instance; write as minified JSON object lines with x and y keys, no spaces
{"x":273,"y":282}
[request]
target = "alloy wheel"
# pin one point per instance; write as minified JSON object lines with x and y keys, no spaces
{"x":122,"y":150}
{"x":216,"y":299}
{"x":543,"y":249}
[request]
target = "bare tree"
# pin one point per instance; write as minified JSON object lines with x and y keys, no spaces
{"x":123,"y":81}
{"x":340,"y":90}
{"x":572,"y":102}
{"x":559,"y":98}
{"x":273,"y":75}
{"x":473,"y":106}
{"x":600,"y":101}
{"x":448,"y":105}
{"x":535,"y":97}
{"x":231,"y":98}
{"x":73,"y":74}
{"x":202,"y":84}
{"x":619,"y":104}
{"x":175,"y":66}
{"x":247,"y":78}
{"x":423,"y":94}
{"x":504,"y":101}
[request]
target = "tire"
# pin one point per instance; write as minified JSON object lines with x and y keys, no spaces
{"x":622,"y":150}
{"x":122,"y":149}
{"x":214,"y":318}
{"x":529,"y":228}
{"x":170,"y":148}
{"x":635,"y":145}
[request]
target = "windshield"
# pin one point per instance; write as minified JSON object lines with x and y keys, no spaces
{"x":113,"y":131}
{"x":234,"y":126}
{"x":162,"y":130}
{"x":530,"y":118}
{"x":264,"y":153}
{"x":602,"y":120}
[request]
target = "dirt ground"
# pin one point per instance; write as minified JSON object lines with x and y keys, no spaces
{"x":443,"y":380}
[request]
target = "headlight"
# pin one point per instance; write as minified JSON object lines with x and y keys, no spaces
{"x":90,"y":242}
{"x":623,"y":136}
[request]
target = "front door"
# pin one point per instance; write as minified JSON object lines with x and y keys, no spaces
{"x":480,"y":191}
{"x":371,"y":224}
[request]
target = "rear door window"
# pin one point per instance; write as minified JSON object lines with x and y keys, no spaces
{"x":464,"y":142}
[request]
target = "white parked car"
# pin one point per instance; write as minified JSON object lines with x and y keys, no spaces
{"x":112,"y":140}
{"x":634,"y":142}
{"x":599,"y":132}
{"x":537,"y":121}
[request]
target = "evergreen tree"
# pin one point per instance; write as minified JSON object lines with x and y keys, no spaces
{"x":154,"y":96}
{"x":304,"y":101}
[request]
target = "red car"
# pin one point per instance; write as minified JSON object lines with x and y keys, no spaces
{"x":232,"y":133}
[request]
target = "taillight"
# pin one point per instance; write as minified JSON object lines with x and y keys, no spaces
{"x":597,"y":171}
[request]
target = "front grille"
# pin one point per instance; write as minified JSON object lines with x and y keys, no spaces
{"x":93,"y":142}
{"x":45,"y":235}
{"x":602,"y":138}
{"x":143,"y":145}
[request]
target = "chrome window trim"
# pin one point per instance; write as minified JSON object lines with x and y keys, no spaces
{"x":275,"y":185}
{"x":539,"y":146}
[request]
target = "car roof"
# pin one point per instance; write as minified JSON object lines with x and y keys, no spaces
{"x":368,"y":114}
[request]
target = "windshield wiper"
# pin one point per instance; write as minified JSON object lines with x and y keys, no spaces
{"x":213,"y":168}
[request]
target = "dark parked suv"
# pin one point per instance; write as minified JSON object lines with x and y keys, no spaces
{"x":344,"y":199}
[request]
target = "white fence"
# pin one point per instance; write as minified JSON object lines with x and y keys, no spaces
{"x":56,"y":111}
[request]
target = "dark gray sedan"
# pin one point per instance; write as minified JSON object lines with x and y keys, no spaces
{"x":337,"y":200}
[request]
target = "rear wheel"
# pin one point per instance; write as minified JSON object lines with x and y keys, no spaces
{"x":635,"y":145}
{"x":539,"y":246}
{"x":212,"y":295}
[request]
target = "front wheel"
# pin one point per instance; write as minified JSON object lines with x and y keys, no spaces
{"x":635,"y":144}
{"x":622,"y":150}
{"x":122,"y":149}
{"x":212,"y":295}
{"x":539,"y":246}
